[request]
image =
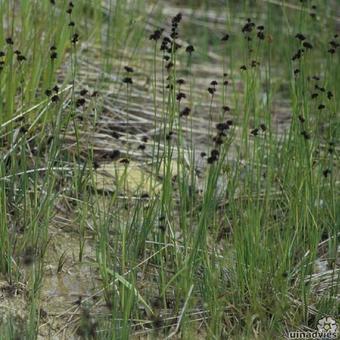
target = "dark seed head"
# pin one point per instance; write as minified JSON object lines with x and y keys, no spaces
{"x":176,"y":19}
{"x":222,"y":126}
{"x":260,"y":35}
{"x":156,"y":35}
{"x":54,"y":55}
{"x":301,"y":119}
{"x":21,"y":58}
{"x":211,"y":90}
{"x":55,"y":98}
{"x":48,"y":93}
{"x":128,"y":69}
{"x":9,"y":41}
{"x":225,"y":37}
{"x":168,"y":137}
{"x":185,"y":112}
{"x":125,"y":161}
{"x":307,"y":45}
{"x":180,"y":96}
{"x":169,"y":65}
{"x":190,"y":49}
{"x":214,"y":153}
{"x":326,"y":172}
{"x":300,"y":36}
{"x":127,"y":80}
{"x":83,"y":92}
{"x":75,"y":38}
{"x":114,"y":154}
{"x":305,"y":134}
{"x":263,"y":127}
{"x":80,"y":102}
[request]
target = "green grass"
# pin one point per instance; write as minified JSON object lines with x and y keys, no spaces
{"x":241,"y":242}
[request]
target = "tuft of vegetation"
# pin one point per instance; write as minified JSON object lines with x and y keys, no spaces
{"x":168,"y":172}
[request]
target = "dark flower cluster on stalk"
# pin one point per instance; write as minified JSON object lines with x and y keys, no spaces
{"x":20,"y":56}
{"x":75,"y":38}
{"x":313,"y":12}
{"x":185,"y":112}
{"x":214,"y":156}
{"x":9,"y":41}
{"x":248,"y":28}
{"x":331,"y":147}
{"x":53,"y":52}
{"x":169,"y":46}
{"x":257,"y":130}
{"x":305,"y":134}
{"x":142,"y":146}
{"x":301,"y":119}
{"x":174,"y":23}
{"x":222,"y":129}
{"x":128,"y":69}
{"x":53,"y":93}
{"x":70,"y":8}
{"x":212,"y":88}
{"x":2,"y":62}
{"x":168,"y":137}
{"x":305,"y":46}
{"x":260,"y":32}
{"x":225,"y":80}
{"x":320,"y":92}
{"x":80,"y":102}
{"x":225,"y":37}
{"x":127,"y":79}
{"x":326,"y":172}
{"x":180,"y":96}
{"x":333,"y":44}
{"x":189,"y":49}
{"x":84,"y":93}
{"x":157,"y":34}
